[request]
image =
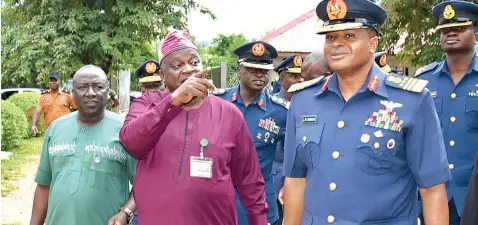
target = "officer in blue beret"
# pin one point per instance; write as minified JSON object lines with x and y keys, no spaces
{"x":289,"y":74}
{"x":148,"y":75}
{"x":366,"y":141}
{"x":381,"y":60}
{"x":453,"y":83}
{"x":265,"y":115}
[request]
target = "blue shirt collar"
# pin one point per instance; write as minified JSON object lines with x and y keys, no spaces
{"x":443,"y":67}
{"x":260,"y":100}
{"x":281,"y":94}
{"x":375,"y":83}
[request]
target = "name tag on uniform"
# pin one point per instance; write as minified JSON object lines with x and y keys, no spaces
{"x":200,"y":167}
{"x":309,"y":119}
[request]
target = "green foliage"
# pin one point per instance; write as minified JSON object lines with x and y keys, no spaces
{"x":43,"y":35}
{"x":27,"y":102}
{"x":415,"y":20}
{"x":20,"y":163}
{"x":14,"y":125}
{"x":221,"y":49}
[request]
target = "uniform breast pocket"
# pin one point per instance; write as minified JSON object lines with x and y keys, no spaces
{"x":64,"y":102}
{"x":220,"y":156}
{"x":308,"y":144}
{"x":471,"y":112}
{"x":377,"y":150}
{"x":46,"y":106}
{"x":104,"y":171}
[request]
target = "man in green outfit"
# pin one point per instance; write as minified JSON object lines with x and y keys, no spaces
{"x":84,"y":171}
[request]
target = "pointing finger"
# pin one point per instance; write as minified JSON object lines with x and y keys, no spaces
{"x":203,"y":73}
{"x":206,"y":83}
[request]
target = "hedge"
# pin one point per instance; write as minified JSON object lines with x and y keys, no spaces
{"x":14,"y":125}
{"x":27,"y":102}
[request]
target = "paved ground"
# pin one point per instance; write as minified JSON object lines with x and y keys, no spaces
{"x":17,"y":206}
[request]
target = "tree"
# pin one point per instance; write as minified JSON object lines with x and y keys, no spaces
{"x":413,"y":20}
{"x":43,"y":35}
{"x":221,"y":50}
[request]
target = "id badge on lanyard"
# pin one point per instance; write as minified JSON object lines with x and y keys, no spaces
{"x":201,"y":166}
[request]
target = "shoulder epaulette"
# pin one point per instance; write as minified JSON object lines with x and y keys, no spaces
{"x":280,"y":101}
{"x":219,"y":91}
{"x":406,"y":83}
{"x":305,"y":84}
{"x":426,"y":68}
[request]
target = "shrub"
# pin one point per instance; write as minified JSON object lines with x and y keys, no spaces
{"x":27,"y":102}
{"x":14,"y":125}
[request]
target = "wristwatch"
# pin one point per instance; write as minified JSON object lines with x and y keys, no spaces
{"x":128,"y":212}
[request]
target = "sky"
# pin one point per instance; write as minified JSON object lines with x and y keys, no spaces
{"x":253,"y":18}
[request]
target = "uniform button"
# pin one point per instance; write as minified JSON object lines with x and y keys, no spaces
{"x":453,"y":96}
{"x":332,"y":186}
{"x":83,"y":129}
{"x":451,"y":166}
{"x":335,"y":155}
{"x":330,"y":219}
{"x":452,"y":143}
{"x":341,"y":124}
{"x":452,"y":119}
{"x":304,"y":138}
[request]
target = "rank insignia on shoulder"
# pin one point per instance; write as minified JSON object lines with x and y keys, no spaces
{"x":280,"y":101}
{"x":305,"y":84}
{"x":406,"y":83}
{"x":219,"y":91}
{"x":426,"y":68}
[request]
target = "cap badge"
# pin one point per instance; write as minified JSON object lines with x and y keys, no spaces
{"x":336,"y":9}
{"x":449,"y":12}
{"x":258,"y":49}
{"x":298,"y":61}
{"x":383,"y":60}
{"x":150,"y":67}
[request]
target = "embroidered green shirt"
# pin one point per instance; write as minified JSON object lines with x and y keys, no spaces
{"x":87,"y":169}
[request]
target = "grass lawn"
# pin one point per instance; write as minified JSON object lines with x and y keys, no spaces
{"x":27,"y":154}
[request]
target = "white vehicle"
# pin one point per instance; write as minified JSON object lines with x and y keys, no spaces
{"x":11,"y":91}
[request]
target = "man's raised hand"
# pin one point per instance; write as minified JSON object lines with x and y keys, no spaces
{"x":195,"y":86}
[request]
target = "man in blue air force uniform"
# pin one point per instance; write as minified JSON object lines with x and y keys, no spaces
{"x":454,"y":87}
{"x":265,"y":115}
{"x":289,"y":74}
{"x":366,"y":142}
